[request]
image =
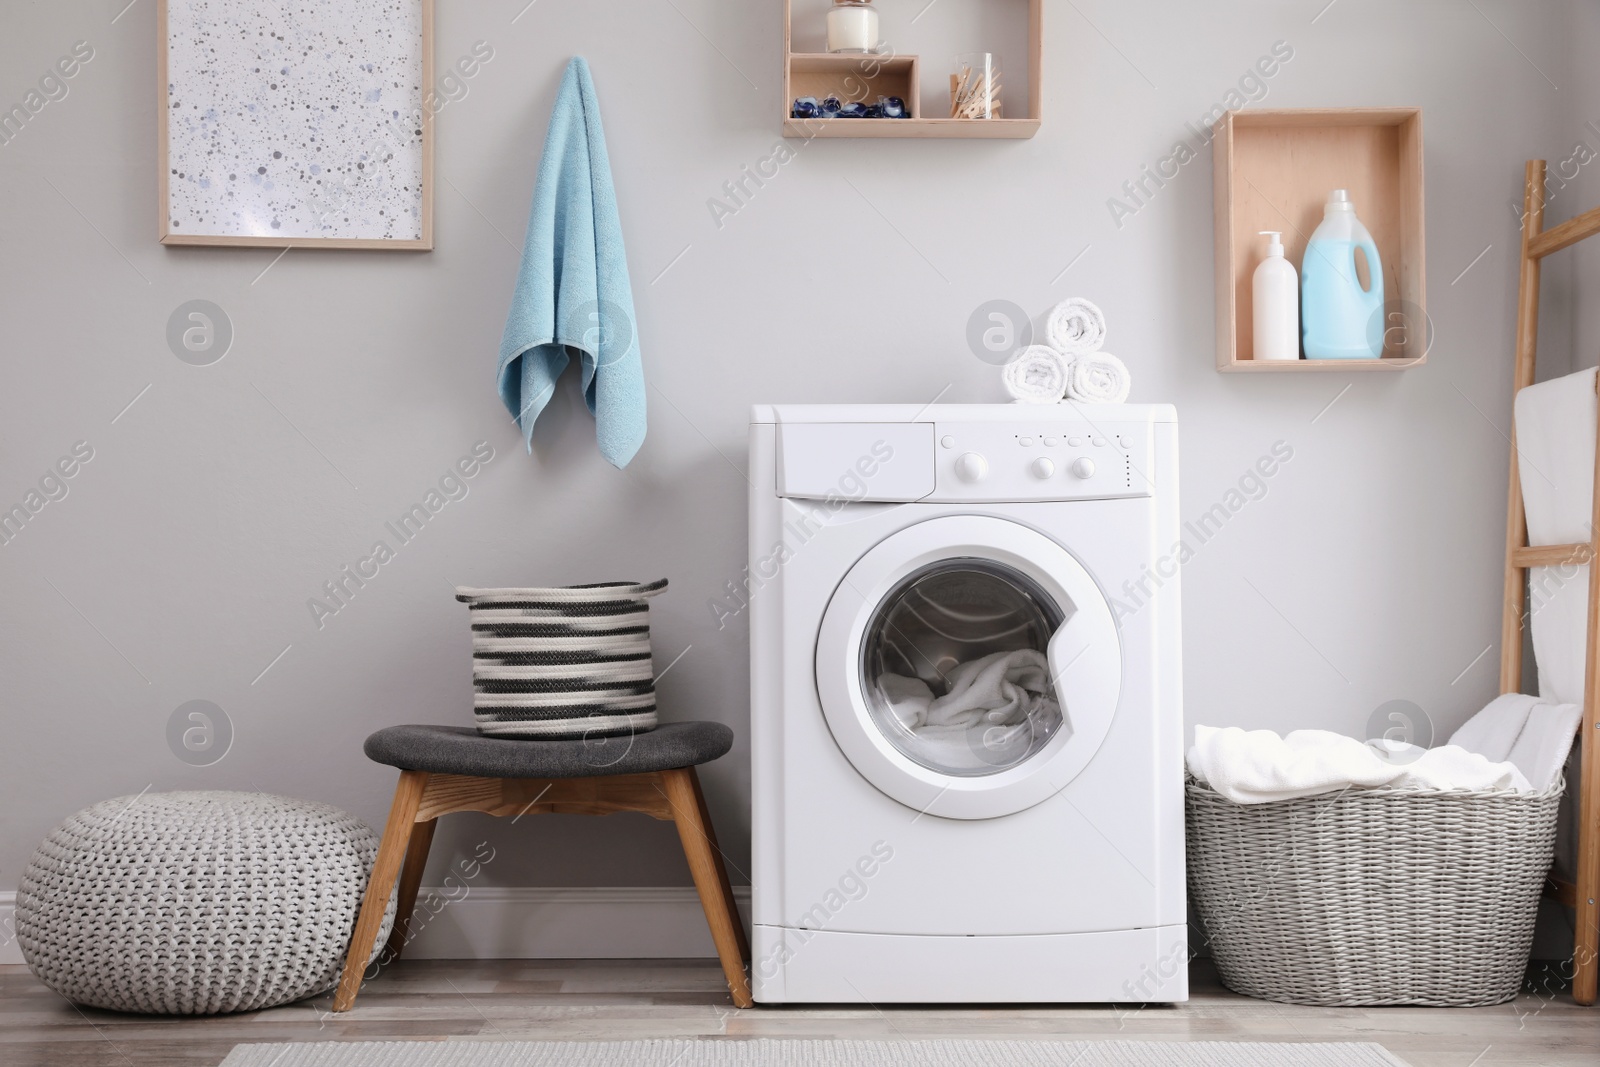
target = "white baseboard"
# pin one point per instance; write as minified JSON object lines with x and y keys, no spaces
{"x":533,"y":923}
{"x":10,"y":951}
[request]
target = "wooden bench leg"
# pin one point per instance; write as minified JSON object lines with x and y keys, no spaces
{"x":722,"y":868}
{"x":410,"y":880}
{"x":396,"y":836}
{"x":682,"y":787}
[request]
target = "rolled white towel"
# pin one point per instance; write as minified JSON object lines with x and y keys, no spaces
{"x":1036,"y":375}
{"x":1098,"y":378}
{"x":1076,"y":327}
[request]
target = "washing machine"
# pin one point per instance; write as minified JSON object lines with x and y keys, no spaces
{"x":966,"y":712}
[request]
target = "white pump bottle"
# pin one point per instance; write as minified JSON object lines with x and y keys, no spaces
{"x":1276,"y":304}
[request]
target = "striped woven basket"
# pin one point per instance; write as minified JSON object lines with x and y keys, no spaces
{"x":567,"y":662}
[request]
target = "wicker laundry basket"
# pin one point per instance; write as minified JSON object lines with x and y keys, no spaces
{"x":1371,"y":896}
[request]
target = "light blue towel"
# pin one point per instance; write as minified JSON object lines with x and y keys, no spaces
{"x":573,"y":295}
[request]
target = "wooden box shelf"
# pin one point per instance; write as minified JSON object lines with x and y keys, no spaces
{"x":866,"y":77}
{"x":1274,"y":170}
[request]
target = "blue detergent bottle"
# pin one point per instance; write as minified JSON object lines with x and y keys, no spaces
{"x":1338,"y":318}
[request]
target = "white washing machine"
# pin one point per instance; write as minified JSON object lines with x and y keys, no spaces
{"x":967,"y":718}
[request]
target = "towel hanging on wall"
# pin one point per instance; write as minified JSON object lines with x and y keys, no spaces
{"x":573,"y":295}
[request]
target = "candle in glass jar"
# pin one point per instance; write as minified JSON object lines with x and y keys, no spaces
{"x":852,"y":26}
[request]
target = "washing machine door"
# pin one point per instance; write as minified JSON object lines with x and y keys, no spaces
{"x":968,"y":667}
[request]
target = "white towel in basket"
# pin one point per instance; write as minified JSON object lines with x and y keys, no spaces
{"x":1258,"y":766}
{"x":1493,"y":731}
{"x":1532,"y":735}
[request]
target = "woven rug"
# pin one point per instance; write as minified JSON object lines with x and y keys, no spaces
{"x":770,"y":1052}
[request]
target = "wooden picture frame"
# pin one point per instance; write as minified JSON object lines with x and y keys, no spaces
{"x":315,"y":186}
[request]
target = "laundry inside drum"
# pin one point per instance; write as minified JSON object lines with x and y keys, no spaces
{"x":955,"y":670}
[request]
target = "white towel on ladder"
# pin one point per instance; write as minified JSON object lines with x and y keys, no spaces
{"x":1555,"y":423}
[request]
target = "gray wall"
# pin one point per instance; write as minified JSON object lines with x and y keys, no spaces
{"x":180,"y":562}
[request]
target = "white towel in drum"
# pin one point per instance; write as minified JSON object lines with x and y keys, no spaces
{"x":1098,"y":378}
{"x":908,"y":698}
{"x":1258,"y":766}
{"x":1075,"y":327}
{"x":1555,"y":423}
{"x":1001,"y":688}
{"x":1036,"y":375}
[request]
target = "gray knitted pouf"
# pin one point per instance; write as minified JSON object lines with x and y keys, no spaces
{"x":195,"y":903}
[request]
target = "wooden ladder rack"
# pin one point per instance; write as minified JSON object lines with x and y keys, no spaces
{"x":1537,"y":242}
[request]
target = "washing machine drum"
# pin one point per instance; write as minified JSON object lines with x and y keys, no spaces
{"x":968,"y":667}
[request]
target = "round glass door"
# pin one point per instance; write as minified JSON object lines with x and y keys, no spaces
{"x":968,"y":666}
{"x":955,"y":667}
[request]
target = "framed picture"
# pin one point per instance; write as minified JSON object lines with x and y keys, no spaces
{"x":293,"y":124}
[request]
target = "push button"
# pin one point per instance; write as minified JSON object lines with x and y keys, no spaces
{"x":1074,"y":441}
{"x":947,"y":441}
{"x":1025,"y":442}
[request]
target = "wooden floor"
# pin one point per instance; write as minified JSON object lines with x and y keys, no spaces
{"x":617,"y":999}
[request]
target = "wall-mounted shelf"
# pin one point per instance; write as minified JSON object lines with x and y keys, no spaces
{"x":866,"y":77}
{"x":1274,"y":169}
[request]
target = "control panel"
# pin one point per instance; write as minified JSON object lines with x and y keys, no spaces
{"x":1045,"y":460}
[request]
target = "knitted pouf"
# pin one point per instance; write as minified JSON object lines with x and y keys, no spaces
{"x":195,"y":903}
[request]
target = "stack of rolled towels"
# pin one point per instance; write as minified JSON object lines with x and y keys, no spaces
{"x":1073,"y":365}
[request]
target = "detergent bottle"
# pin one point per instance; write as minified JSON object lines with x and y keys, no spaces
{"x":1340,"y":319}
{"x":1275,"y":296}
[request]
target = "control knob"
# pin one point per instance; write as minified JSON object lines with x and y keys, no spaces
{"x":971,"y":467}
{"x":1042,"y":468}
{"x":1083,"y":467}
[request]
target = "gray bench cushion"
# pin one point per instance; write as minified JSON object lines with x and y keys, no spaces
{"x":462,"y":750}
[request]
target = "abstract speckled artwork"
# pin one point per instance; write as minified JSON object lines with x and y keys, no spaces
{"x":295,"y":119}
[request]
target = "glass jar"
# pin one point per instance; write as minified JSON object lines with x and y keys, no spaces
{"x":975,"y":86}
{"x":852,"y":26}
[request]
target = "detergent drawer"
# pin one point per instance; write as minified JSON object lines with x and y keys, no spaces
{"x":854,"y":461}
